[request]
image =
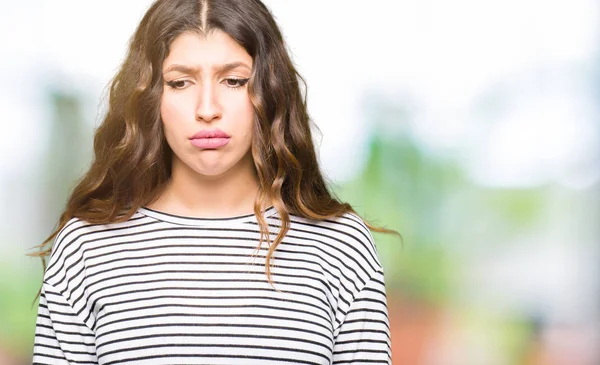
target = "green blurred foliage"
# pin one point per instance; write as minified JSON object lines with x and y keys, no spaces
{"x":18,"y":289}
{"x":403,"y":188}
{"x":68,"y":153}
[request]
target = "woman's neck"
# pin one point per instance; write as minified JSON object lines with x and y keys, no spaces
{"x":189,"y":194}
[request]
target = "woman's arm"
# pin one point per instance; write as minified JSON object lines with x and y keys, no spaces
{"x":61,"y":337}
{"x":364,"y":335}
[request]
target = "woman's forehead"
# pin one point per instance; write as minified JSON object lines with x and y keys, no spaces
{"x":206,"y":53}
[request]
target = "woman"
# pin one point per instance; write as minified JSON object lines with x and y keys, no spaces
{"x":203,"y":232}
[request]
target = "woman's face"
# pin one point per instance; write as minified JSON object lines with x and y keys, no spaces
{"x":205,"y":91}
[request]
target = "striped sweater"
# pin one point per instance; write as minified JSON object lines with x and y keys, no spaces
{"x":167,"y":289}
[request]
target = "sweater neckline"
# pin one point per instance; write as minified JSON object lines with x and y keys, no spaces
{"x":202,"y":221}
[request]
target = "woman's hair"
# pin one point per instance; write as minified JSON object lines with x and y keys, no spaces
{"x":132,"y":159}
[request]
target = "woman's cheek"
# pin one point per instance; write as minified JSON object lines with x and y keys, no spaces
{"x":169,"y":106}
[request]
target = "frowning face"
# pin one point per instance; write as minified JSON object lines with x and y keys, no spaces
{"x":205,"y":107}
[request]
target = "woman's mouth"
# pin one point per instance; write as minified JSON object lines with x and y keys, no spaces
{"x":210,"y":139}
{"x":210,"y":143}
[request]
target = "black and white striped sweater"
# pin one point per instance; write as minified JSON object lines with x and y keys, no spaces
{"x":166,"y":289}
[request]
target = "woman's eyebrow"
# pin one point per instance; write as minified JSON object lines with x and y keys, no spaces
{"x":194,"y":70}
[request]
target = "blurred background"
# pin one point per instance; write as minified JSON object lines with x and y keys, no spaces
{"x":471,"y":127}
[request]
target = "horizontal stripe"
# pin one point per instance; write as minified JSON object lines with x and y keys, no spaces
{"x":162,"y":288}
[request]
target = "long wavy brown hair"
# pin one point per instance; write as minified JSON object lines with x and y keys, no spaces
{"x":132,"y":161}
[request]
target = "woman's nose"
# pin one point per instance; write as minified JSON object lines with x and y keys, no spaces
{"x":208,"y":104}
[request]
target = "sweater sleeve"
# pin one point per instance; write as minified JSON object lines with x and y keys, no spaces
{"x":61,"y":337}
{"x":364,"y":335}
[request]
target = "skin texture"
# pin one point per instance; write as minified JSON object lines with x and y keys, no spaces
{"x":208,"y":182}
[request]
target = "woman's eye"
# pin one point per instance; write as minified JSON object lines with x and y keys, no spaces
{"x":177,"y":84}
{"x":235,"y":82}
{"x":230,"y":82}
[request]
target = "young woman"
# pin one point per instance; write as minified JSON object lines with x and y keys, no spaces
{"x":203,"y":232}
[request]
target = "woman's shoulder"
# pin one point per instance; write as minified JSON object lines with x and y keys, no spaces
{"x":346,"y":236}
{"x":69,"y":244}
{"x":77,"y":228}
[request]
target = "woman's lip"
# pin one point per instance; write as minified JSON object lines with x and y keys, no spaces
{"x":210,"y":133}
{"x":209,"y":143}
